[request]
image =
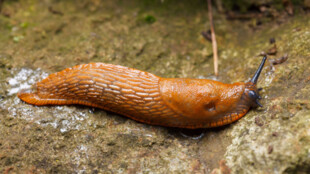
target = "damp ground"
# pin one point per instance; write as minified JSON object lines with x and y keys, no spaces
{"x":162,"y":37}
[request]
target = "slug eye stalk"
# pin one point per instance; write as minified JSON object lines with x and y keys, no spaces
{"x":258,"y":71}
{"x":251,"y":91}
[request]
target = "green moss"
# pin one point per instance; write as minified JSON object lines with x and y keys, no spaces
{"x":149,"y":19}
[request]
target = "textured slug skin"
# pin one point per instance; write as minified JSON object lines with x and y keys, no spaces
{"x":142,"y":96}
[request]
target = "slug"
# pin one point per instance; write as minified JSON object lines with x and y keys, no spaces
{"x":147,"y":98}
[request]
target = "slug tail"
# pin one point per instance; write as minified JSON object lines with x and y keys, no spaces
{"x":33,"y":98}
{"x":29,"y":97}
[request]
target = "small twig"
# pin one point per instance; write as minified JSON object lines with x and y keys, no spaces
{"x":279,"y":60}
{"x":214,"y":45}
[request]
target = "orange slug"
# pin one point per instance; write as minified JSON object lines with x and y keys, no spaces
{"x":147,"y":98}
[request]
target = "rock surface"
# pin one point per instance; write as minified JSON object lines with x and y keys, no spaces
{"x":162,"y":37}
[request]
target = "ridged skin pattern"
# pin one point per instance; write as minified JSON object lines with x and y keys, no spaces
{"x":142,"y":96}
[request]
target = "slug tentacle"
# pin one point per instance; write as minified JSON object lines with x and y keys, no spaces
{"x":258,"y":71}
{"x":251,"y":90}
{"x":142,"y":96}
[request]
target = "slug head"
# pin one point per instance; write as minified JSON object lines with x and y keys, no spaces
{"x":251,"y":92}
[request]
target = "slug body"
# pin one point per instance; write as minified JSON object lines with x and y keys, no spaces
{"x":142,"y":96}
